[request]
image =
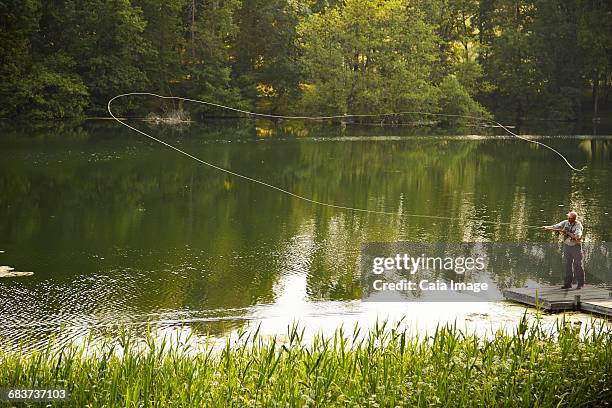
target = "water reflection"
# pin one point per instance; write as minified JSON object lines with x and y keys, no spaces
{"x":118,"y":229}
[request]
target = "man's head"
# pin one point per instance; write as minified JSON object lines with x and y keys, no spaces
{"x":571,"y":216}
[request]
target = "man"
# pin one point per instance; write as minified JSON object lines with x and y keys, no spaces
{"x":572,"y":248}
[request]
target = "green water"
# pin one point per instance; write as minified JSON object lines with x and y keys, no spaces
{"x":118,"y":229}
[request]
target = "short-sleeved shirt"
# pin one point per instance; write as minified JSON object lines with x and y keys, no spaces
{"x":575,"y":228}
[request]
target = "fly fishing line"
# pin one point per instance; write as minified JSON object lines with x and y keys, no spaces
{"x":321,"y":118}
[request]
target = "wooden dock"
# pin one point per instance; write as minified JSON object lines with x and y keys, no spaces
{"x":554,"y":299}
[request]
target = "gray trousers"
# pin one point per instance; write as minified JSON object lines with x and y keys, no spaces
{"x":572,"y":256}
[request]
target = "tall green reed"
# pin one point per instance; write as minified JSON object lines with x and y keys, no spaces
{"x":380,"y":367}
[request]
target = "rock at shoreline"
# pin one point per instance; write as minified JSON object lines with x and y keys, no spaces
{"x":8,"y":272}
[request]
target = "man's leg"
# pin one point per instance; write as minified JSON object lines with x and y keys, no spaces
{"x":569,"y":259}
{"x":578,"y":270}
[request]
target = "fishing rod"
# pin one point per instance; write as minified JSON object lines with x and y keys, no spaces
{"x":321,"y":118}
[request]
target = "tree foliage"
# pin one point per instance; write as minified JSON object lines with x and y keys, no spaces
{"x":521,"y":58}
{"x":207,"y":63}
{"x":368,"y":56}
{"x":266,"y":64}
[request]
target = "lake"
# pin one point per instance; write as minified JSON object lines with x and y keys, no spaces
{"x":119,"y":230}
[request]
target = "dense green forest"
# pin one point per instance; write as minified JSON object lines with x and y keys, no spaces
{"x":518,"y":58}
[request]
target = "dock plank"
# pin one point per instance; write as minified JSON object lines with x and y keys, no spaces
{"x":552,"y":298}
{"x":603,"y":307}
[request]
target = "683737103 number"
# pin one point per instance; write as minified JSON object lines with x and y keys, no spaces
{"x":33,"y":394}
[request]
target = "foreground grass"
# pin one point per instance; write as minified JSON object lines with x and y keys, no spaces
{"x":384,"y":367}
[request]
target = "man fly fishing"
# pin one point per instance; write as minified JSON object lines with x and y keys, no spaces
{"x":572,"y":249}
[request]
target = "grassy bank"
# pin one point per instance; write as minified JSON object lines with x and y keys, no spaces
{"x":385,"y":367}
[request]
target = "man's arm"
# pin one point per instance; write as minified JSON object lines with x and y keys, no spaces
{"x":560,"y":226}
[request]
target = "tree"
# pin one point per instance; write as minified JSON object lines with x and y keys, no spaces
{"x":453,"y":23}
{"x":558,"y":79}
{"x":105,"y":41}
{"x":164,"y":31}
{"x":51,"y":90}
{"x":510,"y":64}
{"x":456,"y":100}
{"x":266,"y":64}
{"x":368,"y":56}
{"x":207,"y":62}
{"x":594,"y":34}
{"x":35,"y":85}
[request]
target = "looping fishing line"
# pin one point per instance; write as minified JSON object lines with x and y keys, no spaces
{"x":319,"y":118}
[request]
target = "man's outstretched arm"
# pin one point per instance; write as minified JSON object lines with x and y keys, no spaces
{"x":555,"y":227}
